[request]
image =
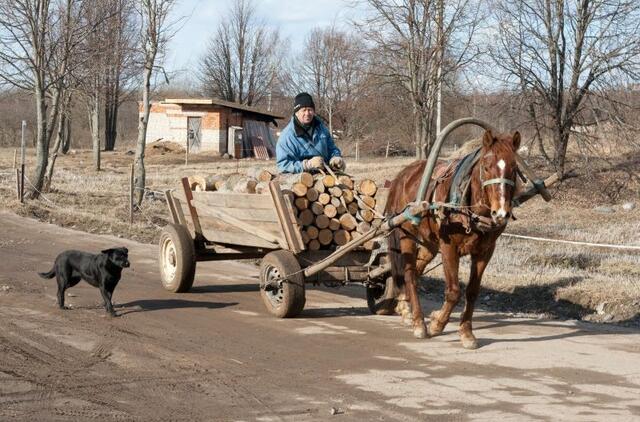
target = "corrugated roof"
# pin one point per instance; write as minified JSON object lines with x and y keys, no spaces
{"x":215,"y":101}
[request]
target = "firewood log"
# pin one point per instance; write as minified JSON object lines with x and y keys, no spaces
{"x":366,"y":202}
{"x":312,"y":232}
{"x":335,"y":191}
{"x":348,"y":222}
{"x":363,"y":227}
{"x":328,"y":181}
{"x":334,"y":224}
{"x":347,"y":195}
{"x":318,"y":185}
{"x":330,"y":211}
{"x":325,"y":237}
{"x":367,"y":187}
{"x":301,"y":203}
{"x":324,"y":198}
{"x":299,"y":189}
{"x":312,"y":194}
{"x":353,"y":208}
{"x":260,"y":174}
{"x":341,"y":209}
{"x":365,"y":215}
{"x":335,"y":201}
{"x":313,"y":245}
{"x":341,"y":237}
{"x":322,"y":221}
{"x":305,"y":237}
{"x":345,"y":181}
{"x":306,"y":217}
{"x":317,"y":208}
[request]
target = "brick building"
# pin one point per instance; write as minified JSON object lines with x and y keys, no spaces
{"x":211,"y":125}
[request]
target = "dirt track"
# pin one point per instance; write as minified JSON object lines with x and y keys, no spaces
{"x":214,"y":354}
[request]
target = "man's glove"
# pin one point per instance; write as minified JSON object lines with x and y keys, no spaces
{"x":337,"y":163}
{"x":314,"y":163}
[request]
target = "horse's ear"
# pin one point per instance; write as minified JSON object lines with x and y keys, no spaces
{"x":516,"y":140}
{"x":488,"y":139}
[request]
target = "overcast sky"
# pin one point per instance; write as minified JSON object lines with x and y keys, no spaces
{"x":294,"y":18}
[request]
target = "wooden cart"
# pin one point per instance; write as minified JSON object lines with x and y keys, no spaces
{"x":214,"y":226}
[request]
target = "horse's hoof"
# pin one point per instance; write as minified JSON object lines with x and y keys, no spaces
{"x":420,"y":331}
{"x":435,"y":329}
{"x":469,"y":343}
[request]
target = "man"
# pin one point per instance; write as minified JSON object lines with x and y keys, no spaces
{"x":305,"y":144}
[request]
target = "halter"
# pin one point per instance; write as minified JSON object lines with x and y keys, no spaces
{"x":495,"y":181}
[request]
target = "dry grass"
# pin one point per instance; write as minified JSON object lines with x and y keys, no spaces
{"x":524,"y":277}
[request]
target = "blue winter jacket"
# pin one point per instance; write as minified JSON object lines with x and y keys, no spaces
{"x":295,"y":145}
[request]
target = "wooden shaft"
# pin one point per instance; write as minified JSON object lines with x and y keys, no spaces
{"x":537,"y":183}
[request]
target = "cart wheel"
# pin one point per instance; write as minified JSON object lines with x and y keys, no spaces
{"x":283,"y":297}
{"x":177,"y":258}
{"x":380,"y":294}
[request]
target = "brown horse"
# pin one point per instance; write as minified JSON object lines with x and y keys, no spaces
{"x":453,"y":231}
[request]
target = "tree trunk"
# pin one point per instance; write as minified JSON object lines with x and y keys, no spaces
{"x":93,"y":108}
{"x":111,"y":107}
{"x":139,"y":170}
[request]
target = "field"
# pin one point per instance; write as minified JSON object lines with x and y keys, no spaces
{"x":552,"y":280}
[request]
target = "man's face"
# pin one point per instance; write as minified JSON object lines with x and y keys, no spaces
{"x":305,"y":115}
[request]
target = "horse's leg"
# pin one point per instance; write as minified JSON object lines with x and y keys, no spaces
{"x":450,"y":261}
{"x":403,"y":307}
{"x":409,"y":253}
{"x":478,"y":264}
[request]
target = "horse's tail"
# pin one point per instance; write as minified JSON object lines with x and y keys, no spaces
{"x":50,"y":274}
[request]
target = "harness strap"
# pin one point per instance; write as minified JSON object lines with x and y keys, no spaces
{"x":498,"y":180}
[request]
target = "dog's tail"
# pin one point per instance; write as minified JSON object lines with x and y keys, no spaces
{"x":50,"y":274}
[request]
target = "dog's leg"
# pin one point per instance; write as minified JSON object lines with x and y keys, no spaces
{"x":61,"y":288}
{"x":106,"y":295}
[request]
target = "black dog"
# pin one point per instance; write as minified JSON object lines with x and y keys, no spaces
{"x":102,"y":271}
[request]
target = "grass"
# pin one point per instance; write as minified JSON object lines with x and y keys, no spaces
{"x":555,"y":280}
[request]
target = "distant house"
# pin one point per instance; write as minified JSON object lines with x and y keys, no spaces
{"x":212,"y":125}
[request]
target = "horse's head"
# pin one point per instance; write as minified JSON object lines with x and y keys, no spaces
{"x":498,"y":173}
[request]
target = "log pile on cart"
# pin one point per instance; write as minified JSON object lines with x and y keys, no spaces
{"x":331,"y":209}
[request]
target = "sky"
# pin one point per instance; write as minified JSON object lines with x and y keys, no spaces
{"x":294,"y":18}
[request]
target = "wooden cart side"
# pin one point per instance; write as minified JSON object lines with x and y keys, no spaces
{"x":288,"y":222}
{"x":247,"y":220}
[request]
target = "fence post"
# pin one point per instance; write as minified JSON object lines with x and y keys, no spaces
{"x":131,"y":189}
{"x":15,"y":158}
{"x":22,"y":166}
{"x":357,"y":152}
{"x":386,"y":154}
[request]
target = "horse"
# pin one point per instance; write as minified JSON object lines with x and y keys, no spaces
{"x":452,"y":231}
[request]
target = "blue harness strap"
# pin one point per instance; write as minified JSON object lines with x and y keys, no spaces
{"x":461,"y":177}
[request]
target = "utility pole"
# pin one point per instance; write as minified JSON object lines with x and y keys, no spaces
{"x":440,"y":60}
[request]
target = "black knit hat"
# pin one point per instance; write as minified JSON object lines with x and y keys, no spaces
{"x":303,"y":100}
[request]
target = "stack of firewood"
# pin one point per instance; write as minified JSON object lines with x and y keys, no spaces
{"x":330,"y":210}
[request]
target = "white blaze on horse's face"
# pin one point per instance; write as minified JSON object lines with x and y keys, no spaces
{"x":502,"y":213}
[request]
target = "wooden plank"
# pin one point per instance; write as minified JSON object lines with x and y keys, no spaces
{"x":284,"y":211}
{"x":295,"y":226}
{"x":179,"y":210}
{"x":172,"y":207}
{"x":192,"y":211}
{"x":215,"y":223}
{"x":238,"y":238}
{"x":381,"y":199}
{"x":208,"y":210}
{"x":235,"y":200}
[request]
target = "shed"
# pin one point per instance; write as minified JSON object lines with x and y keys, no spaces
{"x":210,"y":124}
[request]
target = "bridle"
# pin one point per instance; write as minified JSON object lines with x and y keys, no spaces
{"x":496,"y":180}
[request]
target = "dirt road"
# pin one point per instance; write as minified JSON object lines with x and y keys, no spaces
{"x":214,"y":354}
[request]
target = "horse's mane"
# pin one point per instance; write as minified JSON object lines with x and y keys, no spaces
{"x":465,"y":149}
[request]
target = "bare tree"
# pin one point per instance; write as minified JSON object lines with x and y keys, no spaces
{"x":37,"y":38}
{"x":241,"y":59}
{"x":120,"y":70}
{"x":419,"y":43}
{"x":333,"y":70}
{"x":155,"y":32}
{"x":559,"y":53}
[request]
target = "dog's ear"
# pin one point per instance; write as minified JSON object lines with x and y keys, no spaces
{"x":107,"y":251}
